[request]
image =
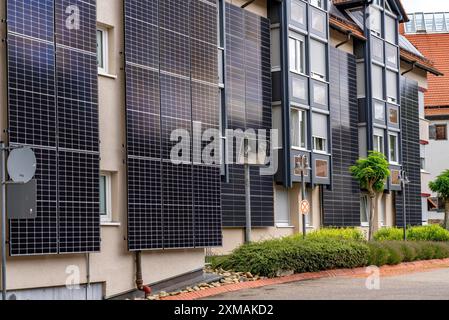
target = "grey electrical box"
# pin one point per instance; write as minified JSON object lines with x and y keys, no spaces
{"x":21,"y":200}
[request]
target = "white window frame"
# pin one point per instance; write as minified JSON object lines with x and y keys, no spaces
{"x":298,"y":128}
{"x":313,"y":74}
{"x":380,"y":142}
{"x":316,"y":5}
{"x":299,"y":60}
{"x":108,"y":198}
{"x":314,"y":140}
{"x":105,"y":53}
{"x":396,"y":148}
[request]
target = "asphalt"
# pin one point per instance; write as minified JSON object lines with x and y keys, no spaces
{"x":430,"y":285}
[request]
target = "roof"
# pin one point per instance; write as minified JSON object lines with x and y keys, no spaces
{"x":435,"y":112}
{"x":408,"y":52}
{"x":435,"y":46}
{"x":348,"y":3}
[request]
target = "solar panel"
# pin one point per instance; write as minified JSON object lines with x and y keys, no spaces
{"x":53,"y":107}
{"x":171,"y":81}
{"x":248,"y":105}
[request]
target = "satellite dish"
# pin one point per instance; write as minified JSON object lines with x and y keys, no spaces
{"x":22,"y":165}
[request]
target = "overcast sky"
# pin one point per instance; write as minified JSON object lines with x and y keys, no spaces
{"x":425,"y":5}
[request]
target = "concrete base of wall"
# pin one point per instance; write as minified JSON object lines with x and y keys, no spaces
{"x":82,"y":292}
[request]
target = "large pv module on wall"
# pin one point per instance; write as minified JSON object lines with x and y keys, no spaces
{"x":53,"y":107}
{"x":248,"y":106}
{"x":411,"y":158}
{"x":171,"y":83}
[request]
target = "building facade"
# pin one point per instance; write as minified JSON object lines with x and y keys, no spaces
{"x":429,"y":33}
{"x":109,"y":93}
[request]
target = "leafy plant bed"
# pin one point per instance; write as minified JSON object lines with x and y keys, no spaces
{"x":294,"y":255}
{"x":421,"y":233}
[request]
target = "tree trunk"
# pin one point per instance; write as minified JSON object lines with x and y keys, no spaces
{"x":372,"y":215}
{"x":446,"y":215}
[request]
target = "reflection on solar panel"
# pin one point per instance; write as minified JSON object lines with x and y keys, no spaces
{"x":52,"y":92}
{"x":171,"y":81}
{"x":248,"y":105}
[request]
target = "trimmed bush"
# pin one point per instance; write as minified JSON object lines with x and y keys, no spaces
{"x":268,"y":258}
{"x":428,"y":233}
{"x":337,"y":233}
{"x":422,"y":233}
{"x":395,"y":252}
{"x":390,"y":234}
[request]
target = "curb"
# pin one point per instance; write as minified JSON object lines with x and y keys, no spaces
{"x":404,"y":268}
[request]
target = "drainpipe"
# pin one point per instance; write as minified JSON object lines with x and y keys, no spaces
{"x":247,"y":3}
{"x":87,"y":275}
{"x":139,"y":280}
{"x":349,"y":35}
{"x":409,"y":70}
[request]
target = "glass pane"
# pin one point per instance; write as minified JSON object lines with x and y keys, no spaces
{"x":319,"y":21}
{"x":318,"y":3}
{"x":292,"y":54}
{"x":393,"y":116}
{"x":319,"y":93}
{"x":294,"y":125}
{"x":299,"y":88}
{"x":379,"y":143}
{"x":393,"y":148}
{"x":375,"y":21}
{"x":392,"y":86}
{"x":420,"y":22}
{"x":379,"y":111}
{"x":428,"y":20}
{"x":364,"y":209}
{"x":298,"y":11}
{"x":439,"y":22}
{"x":100,"y":45}
{"x":378,"y":49}
{"x":392,"y":55}
{"x":390,"y":29}
{"x":103,"y":196}
{"x":378,"y":89}
{"x":395,"y":177}
{"x":318,"y":58}
{"x":302,"y":129}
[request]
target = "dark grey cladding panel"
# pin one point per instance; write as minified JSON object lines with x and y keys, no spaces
{"x":171,"y":81}
{"x":342,"y":203}
{"x":248,"y":104}
{"x":53,"y":96}
{"x":411,"y":154}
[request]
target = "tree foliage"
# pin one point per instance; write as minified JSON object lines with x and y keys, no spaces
{"x":372,"y":172}
{"x":441,"y":185}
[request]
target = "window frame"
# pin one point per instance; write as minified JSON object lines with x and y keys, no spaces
{"x":313,"y":74}
{"x":396,"y":148}
{"x":298,"y":127}
{"x":379,"y":140}
{"x":314,"y":144}
{"x":105,"y":50}
{"x":300,"y":46}
{"x":107,"y":218}
{"x":364,"y":197}
{"x":441,"y":125}
{"x":316,"y":168}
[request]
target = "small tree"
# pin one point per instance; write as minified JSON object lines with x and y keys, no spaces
{"x":441,"y":186}
{"x":372,"y":174}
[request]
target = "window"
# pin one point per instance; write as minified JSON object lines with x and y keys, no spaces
{"x":319,"y":93}
{"x":105,"y":198}
{"x":298,"y":172}
{"x":364,"y":210}
{"x":379,"y":143}
{"x":379,"y":111}
{"x":318,"y":18}
{"x":395,"y":177}
{"x":435,"y":204}
{"x":394,"y":148}
{"x":102,"y":50}
{"x":296,"y":55}
{"x":390,"y":29}
{"x":378,"y":83}
{"x":441,"y":132}
{"x":299,"y":128}
{"x":321,"y":169}
{"x":393,"y":115}
{"x":391,"y":55}
{"x":318,"y":59}
{"x":298,"y":13}
{"x":309,"y":217}
{"x":319,"y":144}
{"x":382,"y":211}
{"x":423,"y":163}
{"x":361,"y":80}
{"x":378,"y":49}
{"x":392,"y":86}
{"x":375,"y":21}
{"x":299,"y":88}
{"x":317,"y":3}
{"x":282,"y":207}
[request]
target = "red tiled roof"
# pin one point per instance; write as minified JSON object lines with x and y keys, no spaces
{"x":432,"y":112}
{"x":346,"y":26}
{"x":435,"y":47}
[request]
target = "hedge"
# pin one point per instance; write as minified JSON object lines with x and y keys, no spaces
{"x":337,"y":233}
{"x":269,"y":258}
{"x":421,"y":233}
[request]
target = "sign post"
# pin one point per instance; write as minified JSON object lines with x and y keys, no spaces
{"x":304,"y":205}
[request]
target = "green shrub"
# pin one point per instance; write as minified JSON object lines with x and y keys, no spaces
{"x":395,"y":252}
{"x":428,"y":233}
{"x":337,"y":233}
{"x":390,"y":234}
{"x":294,"y":254}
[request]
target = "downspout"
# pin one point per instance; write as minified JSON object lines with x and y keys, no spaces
{"x":409,"y":70}
{"x":247,"y":3}
{"x":139,"y":279}
{"x":349,"y":35}
{"x":87,"y":275}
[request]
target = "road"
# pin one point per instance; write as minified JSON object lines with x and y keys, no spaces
{"x":414,"y":286}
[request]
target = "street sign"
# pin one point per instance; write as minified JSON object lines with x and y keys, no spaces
{"x":305,"y":207}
